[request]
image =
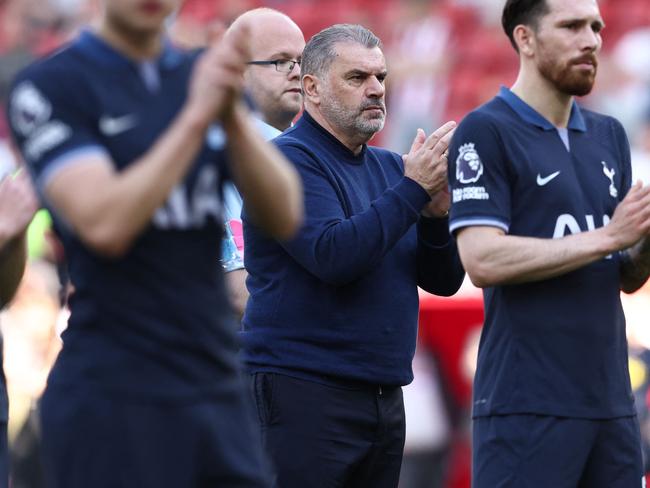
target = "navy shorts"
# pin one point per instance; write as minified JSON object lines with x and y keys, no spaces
{"x":330,"y":435}
{"x":532,"y":451}
{"x":101,"y":441}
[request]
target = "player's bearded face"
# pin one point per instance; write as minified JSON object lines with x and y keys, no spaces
{"x":575,"y":76}
{"x":567,"y":42}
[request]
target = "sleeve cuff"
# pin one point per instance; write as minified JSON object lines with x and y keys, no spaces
{"x":434,"y":232}
{"x":413,"y":193}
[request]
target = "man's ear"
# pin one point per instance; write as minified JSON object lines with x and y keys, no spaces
{"x":311,"y":88}
{"x":525,"y":39}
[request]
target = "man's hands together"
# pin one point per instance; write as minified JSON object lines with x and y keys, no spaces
{"x":426,"y":164}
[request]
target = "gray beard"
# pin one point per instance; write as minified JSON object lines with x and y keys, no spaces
{"x":349,"y":121}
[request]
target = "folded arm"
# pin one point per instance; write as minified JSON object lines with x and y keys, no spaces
{"x":339,"y":249}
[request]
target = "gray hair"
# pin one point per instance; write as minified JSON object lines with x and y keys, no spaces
{"x":320,"y":51}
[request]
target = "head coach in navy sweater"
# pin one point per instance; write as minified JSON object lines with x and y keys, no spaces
{"x":330,"y":327}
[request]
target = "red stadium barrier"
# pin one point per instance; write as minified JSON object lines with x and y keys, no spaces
{"x":447,"y":329}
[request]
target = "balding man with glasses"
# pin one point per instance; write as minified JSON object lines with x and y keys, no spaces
{"x":273,"y":82}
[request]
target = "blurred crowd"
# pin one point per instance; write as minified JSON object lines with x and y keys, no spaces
{"x":444,"y":56}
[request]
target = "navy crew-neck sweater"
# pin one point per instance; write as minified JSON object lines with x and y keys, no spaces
{"x":340,"y":300}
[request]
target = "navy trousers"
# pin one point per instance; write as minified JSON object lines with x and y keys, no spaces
{"x":332,"y":434}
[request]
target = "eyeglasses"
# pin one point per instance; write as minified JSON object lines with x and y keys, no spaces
{"x":281,"y":65}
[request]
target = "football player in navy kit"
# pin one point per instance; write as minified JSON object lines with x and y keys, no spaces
{"x":128,"y":140}
{"x":549,"y":224}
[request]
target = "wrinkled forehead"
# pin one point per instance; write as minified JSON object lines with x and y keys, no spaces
{"x":351,"y":56}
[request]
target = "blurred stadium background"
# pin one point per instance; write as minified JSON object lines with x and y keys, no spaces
{"x":445,"y":57}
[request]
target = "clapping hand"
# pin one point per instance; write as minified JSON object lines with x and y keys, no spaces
{"x":426,"y":164}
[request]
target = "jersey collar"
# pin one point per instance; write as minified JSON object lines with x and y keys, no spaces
{"x":530,"y":115}
{"x":92,"y":44}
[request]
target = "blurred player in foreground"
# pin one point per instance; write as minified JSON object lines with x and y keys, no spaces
{"x":120,"y":132}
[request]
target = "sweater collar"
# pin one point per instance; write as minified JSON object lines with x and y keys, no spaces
{"x":338,"y":146}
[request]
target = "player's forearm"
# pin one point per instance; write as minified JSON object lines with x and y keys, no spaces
{"x":268,"y":183}
{"x":13,"y":256}
{"x":147,"y":183}
{"x":498,"y":259}
{"x":113,"y":212}
{"x":635,"y":267}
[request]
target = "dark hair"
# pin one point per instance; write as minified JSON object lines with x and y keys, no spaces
{"x":526,"y":12}
{"x":320,"y":51}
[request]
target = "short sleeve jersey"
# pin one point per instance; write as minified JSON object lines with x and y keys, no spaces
{"x":156,"y":321}
{"x":557,"y":346}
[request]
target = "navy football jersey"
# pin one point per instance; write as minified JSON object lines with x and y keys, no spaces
{"x":156,"y":321}
{"x":557,"y":346}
